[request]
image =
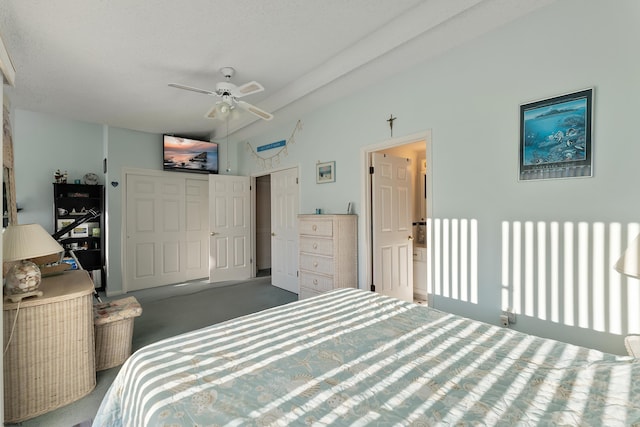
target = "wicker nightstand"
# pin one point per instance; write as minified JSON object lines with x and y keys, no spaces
{"x":50,"y":361}
{"x":113,"y":323}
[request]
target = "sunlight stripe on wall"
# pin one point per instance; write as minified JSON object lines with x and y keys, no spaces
{"x":563,"y":272}
{"x":453,"y":258}
{"x":599,"y":266}
{"x":615,"y":282}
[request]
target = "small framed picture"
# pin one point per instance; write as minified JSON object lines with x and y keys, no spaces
{"x":80,"y":231}
{"x":63,"y":223}
{"x":325,"y":172}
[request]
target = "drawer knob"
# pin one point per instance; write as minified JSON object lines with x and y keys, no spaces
{"x":315,"y":245}
{"x":315,"y":281}
{"x":314,"y":227}
{"x":315,"y":263}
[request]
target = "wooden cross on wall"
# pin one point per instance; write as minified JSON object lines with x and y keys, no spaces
{"x":390,"y":120}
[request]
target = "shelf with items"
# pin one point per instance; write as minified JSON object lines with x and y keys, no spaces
{"x":84,"y":203}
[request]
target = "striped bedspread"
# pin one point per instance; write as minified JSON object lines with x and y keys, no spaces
{"x":353,"y":357}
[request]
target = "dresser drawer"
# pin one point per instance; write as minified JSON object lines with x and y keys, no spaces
{"x":318,"y":246}
{"x":316,"y":227}
{"x":315,"y":282}
{"x":316,"y":264}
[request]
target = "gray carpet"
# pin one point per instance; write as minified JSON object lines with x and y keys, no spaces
{"x":168,"y":311}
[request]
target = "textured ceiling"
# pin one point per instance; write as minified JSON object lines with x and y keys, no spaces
{"x":109,"y":61}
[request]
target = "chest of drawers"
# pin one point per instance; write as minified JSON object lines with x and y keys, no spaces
{"x":328,"y":253}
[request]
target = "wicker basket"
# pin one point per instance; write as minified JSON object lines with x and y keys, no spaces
{"x":49,"y":360}
{"x":113,"y":323}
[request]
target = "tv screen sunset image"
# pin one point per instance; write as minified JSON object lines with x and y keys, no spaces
{"x":190,"y":154}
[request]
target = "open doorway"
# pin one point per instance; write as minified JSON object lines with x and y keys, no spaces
{"x":263,"y":226}
{"x":406,"y":262}
{"x":275,"y":221}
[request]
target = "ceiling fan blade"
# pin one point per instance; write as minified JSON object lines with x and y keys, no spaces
{"x":192,"y":89}
{"x":255,"y":110}
{"x":248,"y":89}
{"x":212,"y":113}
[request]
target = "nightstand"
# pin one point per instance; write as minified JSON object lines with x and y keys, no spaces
{"x":50,"y":361}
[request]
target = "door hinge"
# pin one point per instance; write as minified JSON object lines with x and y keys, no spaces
{"x":370,"y":170}
{"x":373,"y":288}
{"x":296,"y":180}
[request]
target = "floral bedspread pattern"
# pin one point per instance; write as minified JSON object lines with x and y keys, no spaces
{"x":353,"y":357}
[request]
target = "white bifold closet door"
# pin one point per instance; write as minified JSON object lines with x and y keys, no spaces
{"x":166,"y":229}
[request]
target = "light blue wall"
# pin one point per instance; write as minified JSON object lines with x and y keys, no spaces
{"x":126,"y":149}
{"x":42,"y":144}
{"x":469,"y":98}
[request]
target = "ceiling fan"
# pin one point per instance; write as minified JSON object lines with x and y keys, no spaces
{"x":230,"y":95}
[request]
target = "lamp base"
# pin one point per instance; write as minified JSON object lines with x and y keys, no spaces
{"x":22,"y":278}
{"x":19,"y":297}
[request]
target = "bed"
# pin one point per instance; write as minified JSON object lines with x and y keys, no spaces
{"x":357,"y":358}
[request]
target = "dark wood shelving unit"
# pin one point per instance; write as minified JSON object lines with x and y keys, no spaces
{"x":71,"y":202}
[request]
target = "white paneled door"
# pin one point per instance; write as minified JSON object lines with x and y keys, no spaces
{"x":166,"y":230}
{"x":230,"y":228}
{"x":196,"y":239}
{"x":284,"y":229}
{"x":392,"y":228}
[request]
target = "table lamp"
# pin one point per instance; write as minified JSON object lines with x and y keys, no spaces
{"x":24,"y":243}
{"x":629,"y":262}
{"x":629,"y":265}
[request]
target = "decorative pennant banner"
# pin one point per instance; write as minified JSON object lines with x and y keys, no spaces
{"x":274,"y":159}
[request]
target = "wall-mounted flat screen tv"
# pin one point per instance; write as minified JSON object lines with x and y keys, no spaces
{"x":189,"y":155}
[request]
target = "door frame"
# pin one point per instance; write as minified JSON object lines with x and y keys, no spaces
{"x":252,"y":182}
{"x":366,"y":223}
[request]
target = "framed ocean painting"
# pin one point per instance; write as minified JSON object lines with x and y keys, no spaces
{"x":556,"y":137}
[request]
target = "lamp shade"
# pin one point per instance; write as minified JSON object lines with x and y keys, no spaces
{"x":26,"y":241}
{"x":629,"y":262}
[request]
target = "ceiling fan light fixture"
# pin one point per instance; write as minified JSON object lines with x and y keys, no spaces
{"x":221,"y":110}
{"x":224,"y":109}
